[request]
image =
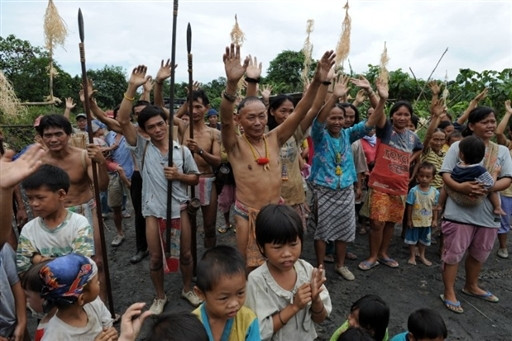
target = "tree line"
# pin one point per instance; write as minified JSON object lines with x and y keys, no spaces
{"x":26,"y":67}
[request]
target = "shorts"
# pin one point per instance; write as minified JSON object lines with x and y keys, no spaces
{"x":506,"y":205}
{"x":116,"y":190}
{"x":85,"y":209}
{"x":203,"y":190}
{"x":418,"y":234}
{"x":459,"y":238}
{"x":226,"y":198}
{"x":386,"y":207}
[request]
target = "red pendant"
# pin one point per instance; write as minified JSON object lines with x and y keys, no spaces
{"x":262,"y":160}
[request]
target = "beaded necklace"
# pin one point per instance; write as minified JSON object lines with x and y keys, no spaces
{"x":262,"y":161}
{"x":337,"y":153}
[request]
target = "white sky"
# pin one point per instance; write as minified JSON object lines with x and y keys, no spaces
{"x":126,"y":33}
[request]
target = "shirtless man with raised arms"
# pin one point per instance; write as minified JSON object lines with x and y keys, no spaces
{"x":254,"y":155}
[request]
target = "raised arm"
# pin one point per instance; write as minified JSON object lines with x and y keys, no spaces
{"x":146,"y":90}
{"x":472,"y":105}
{"x":287,"y":128}
{"x":502,"y":127}
{"x":137,"y":78}
{"x":378,"y":118}
{"x":234,"y":71}
{"x":340,"y":89}
{"x":14,"y":172}
{"x":317,"y":103}
{"x":365,"y":85}
{"x":252,"y":76}
{"x":436,"y":109}
{"x":96,"y":111}
{"x":163,"y":73}
{"x":70,"y":104}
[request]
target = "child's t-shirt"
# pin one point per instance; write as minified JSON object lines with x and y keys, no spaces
{"x":74,"y":234}
{"x":8,"y":278}
{"x":266,"y":298}
{"x":244,"y":326}
{"x":422,"y":205}
{"x":400,"y":337}
{"x":98,"y":318}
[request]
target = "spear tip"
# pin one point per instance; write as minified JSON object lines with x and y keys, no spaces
{"x":81,"y":25}
{"x":189,"y":38}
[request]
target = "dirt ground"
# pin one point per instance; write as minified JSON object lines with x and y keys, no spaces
{"x":404,"y":289}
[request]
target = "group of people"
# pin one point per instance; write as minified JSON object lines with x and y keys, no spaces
{"x":58,"y":253}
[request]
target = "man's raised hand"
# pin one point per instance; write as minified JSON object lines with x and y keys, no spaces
{"x":234,"y":69}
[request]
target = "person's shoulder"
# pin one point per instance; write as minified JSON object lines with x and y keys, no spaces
{"x":259,"y":271}
{"x":246,"y":313}
{"x":77,"y":219}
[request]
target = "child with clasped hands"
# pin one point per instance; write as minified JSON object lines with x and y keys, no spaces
{"x":286,"y":293}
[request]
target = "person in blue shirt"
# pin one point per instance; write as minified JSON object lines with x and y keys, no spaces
{"x":333,"y":175}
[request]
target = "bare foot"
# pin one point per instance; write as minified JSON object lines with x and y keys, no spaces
{"x":425,"y":261}
{"x":411,"y":261}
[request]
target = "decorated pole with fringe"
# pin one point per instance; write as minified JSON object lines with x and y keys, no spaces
{"x":168,"y":222}
{"x":102,"y":247}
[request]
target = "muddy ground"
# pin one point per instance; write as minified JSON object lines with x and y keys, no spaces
{"x":404,"y":289}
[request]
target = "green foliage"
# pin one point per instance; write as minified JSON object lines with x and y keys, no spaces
{"x":284,"y":72}
{"x":110,"y":83}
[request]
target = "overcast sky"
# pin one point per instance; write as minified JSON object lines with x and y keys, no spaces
{"x":125,"y":33}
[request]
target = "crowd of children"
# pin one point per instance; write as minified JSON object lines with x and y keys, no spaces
{"x":262,"y":289}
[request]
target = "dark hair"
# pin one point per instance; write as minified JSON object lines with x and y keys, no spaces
{"x":54,"y":121}
{"x":149,"y":112}
{"x":453,"y":134}
{"x":246,"y":101}
{"x":222,"y":260}
{"x":472,"y":149}
{"x":400,"y":104}
{"x":278,"y":224}
{"x":31,"y":280}
{"x":177,"y":327}
{"x":414,"y":120}
{"x":200,"y":94}
{"x":275,"y":103}
{"x":426,"y":324}
{"x":428,"y":166}
{"x":373,"y":315}
{"x":139,"y":104}
{"x":355,"y":334}
{"x":476,"y":115}
{"x":443,"y":124}
{"x":53,"y":177}
{"x":351,"y":106}
{"x":339,"y":106}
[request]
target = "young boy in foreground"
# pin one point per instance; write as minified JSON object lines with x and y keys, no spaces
{"x":221,"y":281}
{"x":55,"y":231}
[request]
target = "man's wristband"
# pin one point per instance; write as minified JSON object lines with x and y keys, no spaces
{"x":326,"y":83}
{"x":252,"y":80}
{"x":229,"y":97}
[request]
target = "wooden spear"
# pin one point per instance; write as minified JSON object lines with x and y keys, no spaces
{"x":102,"y":248}
{"x":171,"y":131}
{"x":193,"y":202}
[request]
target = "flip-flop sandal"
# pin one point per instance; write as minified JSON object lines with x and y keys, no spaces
{"x":389,"y":262}
{"x":350,"y":256}
{"x":329,"y":259}
{"x":488,"y":296}
{"x":224,"y":229}
{"x":452,"y":306}
{"x":366,"y":265}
